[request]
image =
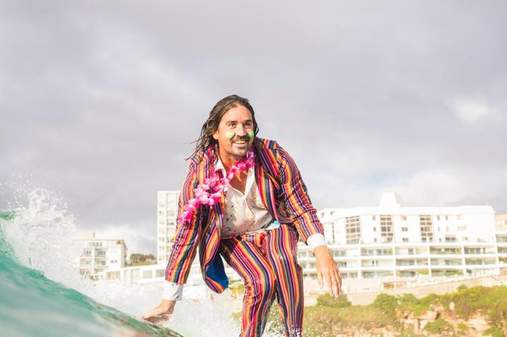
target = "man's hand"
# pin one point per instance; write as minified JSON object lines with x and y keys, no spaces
{"x":327,"y":270}
{"x":161,"y":312}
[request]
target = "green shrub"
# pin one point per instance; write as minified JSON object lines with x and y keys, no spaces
{"x":330,"y":301}
{"x":495,"y":332}
{"x":409,"y":302}
{"x":386,"y":303}
{"x":462,"y":328}
{"x":438,"y":326}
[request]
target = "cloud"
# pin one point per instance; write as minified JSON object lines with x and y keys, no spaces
{"x":100,"y":101}
{"x":471,"y":110}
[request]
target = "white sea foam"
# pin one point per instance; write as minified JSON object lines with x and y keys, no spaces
{"x":43,"y":236}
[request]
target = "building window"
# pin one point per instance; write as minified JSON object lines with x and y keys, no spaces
{"x":404,"y":218}
{"x":386,"y":228}
{"x":426,"y":227}
{"x":404,"y":239}
{"x":353,"y":229}
{"x":374,"y":218}
{"x":404,"y":229}
{"x":450,"y":238}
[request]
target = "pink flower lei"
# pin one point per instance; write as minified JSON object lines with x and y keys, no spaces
{"x":210,"y":192}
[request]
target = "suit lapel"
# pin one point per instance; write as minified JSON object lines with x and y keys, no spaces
{"x":265,"y":179}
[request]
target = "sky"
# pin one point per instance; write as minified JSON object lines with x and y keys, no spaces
{"x":100,"y":100}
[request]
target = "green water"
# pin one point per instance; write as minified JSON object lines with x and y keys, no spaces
{"x":33,"y":305}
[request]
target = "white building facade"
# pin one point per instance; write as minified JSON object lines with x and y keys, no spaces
{"x":389,"y":243}
{"x":100,"y":255}
{"x":396,"y":242}
{"x":167,"y":212}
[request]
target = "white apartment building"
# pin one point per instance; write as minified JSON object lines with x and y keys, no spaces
{"x":501,"y":221}
{"x":389,"y":242}
{"x":392,"y":241}
{"x":100,"y":255}
{"x":501,"y":239}
{"x":167,"y":212}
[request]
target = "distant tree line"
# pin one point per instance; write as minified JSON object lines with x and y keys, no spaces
{"x":141,"y":260}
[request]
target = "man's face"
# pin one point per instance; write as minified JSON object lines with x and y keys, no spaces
{"x":233,"y":132}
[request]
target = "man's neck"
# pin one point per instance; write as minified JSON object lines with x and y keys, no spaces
{"x":227,"y":159}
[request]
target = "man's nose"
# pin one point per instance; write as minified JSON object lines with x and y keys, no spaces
{"x":241,"y":130}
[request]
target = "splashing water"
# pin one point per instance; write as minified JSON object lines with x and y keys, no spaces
{"x":43,"y":294}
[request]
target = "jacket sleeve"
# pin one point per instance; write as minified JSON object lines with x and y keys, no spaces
{"x":296,"y":199}
{"x":187,"y":235}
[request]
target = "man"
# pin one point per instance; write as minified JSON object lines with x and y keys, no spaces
{"x":244,"y":200}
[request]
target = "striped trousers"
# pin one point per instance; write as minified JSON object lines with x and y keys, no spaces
{"x":267,"y":263}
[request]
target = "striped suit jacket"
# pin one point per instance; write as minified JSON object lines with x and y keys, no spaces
{"x":282,"y":191}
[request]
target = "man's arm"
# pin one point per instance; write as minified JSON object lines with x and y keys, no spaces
{"x":296,"y":198}
{"x":182,"y":254}
{"x":187,"y":235}
{"x":307,"y":223}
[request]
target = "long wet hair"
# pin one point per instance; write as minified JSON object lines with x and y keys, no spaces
{"x":210,"y":126}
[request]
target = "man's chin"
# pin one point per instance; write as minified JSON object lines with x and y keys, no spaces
{"x":240,"y":153}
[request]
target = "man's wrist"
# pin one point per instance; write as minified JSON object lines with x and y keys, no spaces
{"x":172,"y":291}
{"x":320,"y":251}
{"x":316,"y":240}
{"x":167,"y":306}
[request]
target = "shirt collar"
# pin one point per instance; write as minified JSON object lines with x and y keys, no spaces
{"x":219,"y":166}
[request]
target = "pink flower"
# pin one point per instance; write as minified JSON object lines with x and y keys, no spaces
{"x":211,"y":190}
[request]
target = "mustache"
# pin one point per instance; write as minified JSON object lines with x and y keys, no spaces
{"x":244,"y":138}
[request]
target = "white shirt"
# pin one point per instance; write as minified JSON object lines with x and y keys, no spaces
{"x":244,"y":212}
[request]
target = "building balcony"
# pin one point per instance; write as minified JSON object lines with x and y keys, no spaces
{"x":445,"y":267}
{"x":456,"y":263}
{"x":481,"y":266}
{"x":481,"y":255}
{"x":377,"y":268}
{"x":444,"y":252}
{"x":408,"y":264}
{"x":376,"y":257}
{"x":413,"y":267}
{"x":480,"y":262}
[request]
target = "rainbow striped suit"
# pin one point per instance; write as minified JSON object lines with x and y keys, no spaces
{"x":284,"y":194}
